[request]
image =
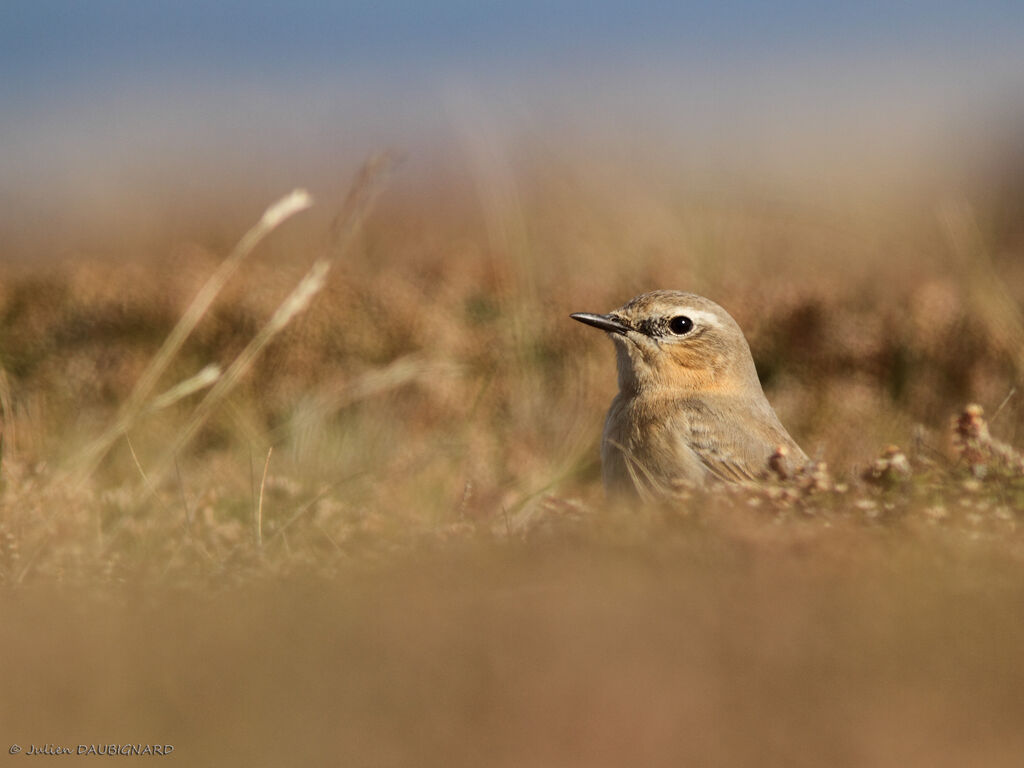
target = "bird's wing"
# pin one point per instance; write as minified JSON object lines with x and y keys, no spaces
{"x":723,"y":451}
{"x":728,"y":468}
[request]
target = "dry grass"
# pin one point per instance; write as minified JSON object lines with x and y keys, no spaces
{"x":385,"y":543}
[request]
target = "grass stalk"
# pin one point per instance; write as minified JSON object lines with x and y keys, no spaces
{"x":357,"y":205}
{"x":289,"y":205}
{"x":259,"y":504}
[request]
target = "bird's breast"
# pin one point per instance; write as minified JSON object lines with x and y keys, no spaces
{"x":644,"y":448}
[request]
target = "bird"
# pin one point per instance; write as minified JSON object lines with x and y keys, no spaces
{"x":690,"y":410}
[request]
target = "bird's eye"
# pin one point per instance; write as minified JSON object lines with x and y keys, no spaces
{"x":680,"y":324}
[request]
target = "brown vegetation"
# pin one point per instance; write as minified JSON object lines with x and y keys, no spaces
{"x":424,"y":570}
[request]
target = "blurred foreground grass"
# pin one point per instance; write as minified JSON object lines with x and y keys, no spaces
{"x":759,"y":646}
{"x":427,"y":572}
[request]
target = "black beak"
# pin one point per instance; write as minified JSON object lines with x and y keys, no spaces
{"x":609,"y":323}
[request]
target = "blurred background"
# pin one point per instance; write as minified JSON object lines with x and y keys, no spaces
{"x":846,"y":180}
{"x":425,"y":566}
{"x":170,"y":107}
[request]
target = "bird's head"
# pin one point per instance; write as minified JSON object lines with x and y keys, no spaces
{"x":679,"y":342}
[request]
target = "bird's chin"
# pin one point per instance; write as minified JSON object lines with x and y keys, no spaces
{"x":633,"y":346}
{"x":638,"y":346}
{"x":633,"y":360}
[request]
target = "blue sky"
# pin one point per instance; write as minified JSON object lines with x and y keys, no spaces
{"x":101,"y":88}
{"x":53,"y":45}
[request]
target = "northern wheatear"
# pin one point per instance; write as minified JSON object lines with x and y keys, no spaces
{"x":690,"y":407}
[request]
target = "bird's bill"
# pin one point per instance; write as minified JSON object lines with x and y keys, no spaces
{"x":609,"y":323}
